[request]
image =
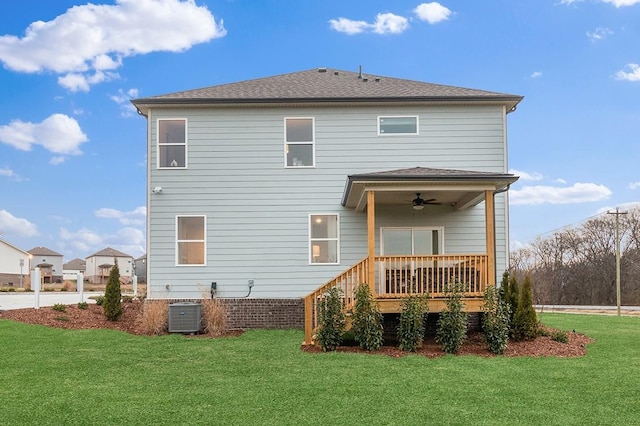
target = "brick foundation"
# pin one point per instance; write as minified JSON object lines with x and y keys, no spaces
{"x":264,"y":313}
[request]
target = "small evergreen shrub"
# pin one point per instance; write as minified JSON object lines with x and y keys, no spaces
{"x":512,"y":297}
{"x":559,"y":336}
{"x":411,"y":327}
{"x":214,"y":315}
{"x":59,"y":307}
{"x":112,"y":306}
{"x":349,"y":338}
{"x":83,"y":305}
{"x":99,"y":300}
{"x":525,"y":321}
{"x":127,"y":299}
{"x":366,"y":320}
{"x":495,"y":323}
{"x":332,"y":320}
{"x":155,"y":317}
{"x":451,"y":328}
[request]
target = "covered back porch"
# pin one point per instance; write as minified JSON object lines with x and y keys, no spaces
{"x":394,"y":277}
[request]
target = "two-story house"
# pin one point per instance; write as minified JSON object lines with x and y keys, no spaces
{"x":50,"y":264}
{"x":14,"y":265}
{"x":98,"y":266}
{"x":272,"y":190}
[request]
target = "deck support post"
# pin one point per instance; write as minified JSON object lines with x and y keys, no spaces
{"x":371,"y":241}
{"x":490,"y":224}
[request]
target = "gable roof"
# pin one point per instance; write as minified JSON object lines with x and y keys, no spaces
{"x":43,"y":251}
{"x":111,"y":252}
{"x":323,"y":85}
{"x":15,"y":248}
{"x":75,"y":264}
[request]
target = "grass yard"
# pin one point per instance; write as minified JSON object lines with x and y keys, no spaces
{"x":98,"y":377}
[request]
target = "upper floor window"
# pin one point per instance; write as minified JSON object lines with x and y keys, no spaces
{"x":324,"y":239}
{"x":190,"y":240}
{"x":299,"y":138}
{"x":172,"y":143}
{"x":398,"y":125}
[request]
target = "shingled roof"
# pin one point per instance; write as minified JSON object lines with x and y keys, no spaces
{"x":43,"y":251}
{"x":110,"y":252}
{"x":323,"y":85}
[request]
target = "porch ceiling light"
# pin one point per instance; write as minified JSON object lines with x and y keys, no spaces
{"x":418,"y":206}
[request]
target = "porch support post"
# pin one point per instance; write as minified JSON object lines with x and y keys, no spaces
{"x":371,"y":241}
{"x":490,"y":219}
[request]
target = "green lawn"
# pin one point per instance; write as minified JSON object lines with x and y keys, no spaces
{"x":53,"y":376}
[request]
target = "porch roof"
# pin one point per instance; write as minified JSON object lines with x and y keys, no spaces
{"x":459,"y":188}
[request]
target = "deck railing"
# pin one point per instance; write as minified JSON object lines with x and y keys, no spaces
{"x":402,"y":276}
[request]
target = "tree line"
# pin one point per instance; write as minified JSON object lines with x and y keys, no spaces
{"x":577,"y":265}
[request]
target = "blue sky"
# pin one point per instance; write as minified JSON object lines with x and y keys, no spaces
{"x":72,"y":149}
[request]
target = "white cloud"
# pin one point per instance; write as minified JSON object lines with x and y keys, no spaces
{"x":17,"y":226}
{"x":624,"y":207}
{"x":525,"y":175}
{"x":560,"y":181}
{"x":578,"y":193}
{"x":621,"y":3}
{"x":536,"y":74}
{"x":7,"y":172}
{"x":632,"y":185}
{"x":58,"y":133}
{"x":88,"y":42}
{"x":632,"y":75}
{"x":134,"y":217}
{"x":122,"y":98}
{"x":85,"y":241}
{"x":599,"y":33}
{"x":569,"y":2}
{"x":56,"y":160}
{"x":385,"y":23}
{"x":432,"y":12}
{"x":388,"y":23}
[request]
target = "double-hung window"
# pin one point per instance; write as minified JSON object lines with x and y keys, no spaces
{"x":190,"y":240}
{"x":324,"y":239}
{"x":405,"y":125}
{"x":299,"y":140}
{"x":172,"y":143}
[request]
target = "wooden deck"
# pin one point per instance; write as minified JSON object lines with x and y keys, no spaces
{"x":397,"y":277}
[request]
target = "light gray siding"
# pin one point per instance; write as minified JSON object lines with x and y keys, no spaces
{"x":257,"y":211}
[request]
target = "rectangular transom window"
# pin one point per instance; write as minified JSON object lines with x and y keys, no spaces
{"x":398,"y":125}
{"x":190,"y":240}
{"x":172,"y":143}
{"x":324,"y":239}
{"x":299,"y":138}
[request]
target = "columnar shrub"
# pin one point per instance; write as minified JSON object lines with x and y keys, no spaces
{"x":512,"y":297}
{"x":495,"y":321}
{"x":451,"y":329}
{"x":411,"y":327}
{"x":367,"y":320}
{"x":112,"y":305}
{"x":332,"y":321}
{"x":525,"y":321}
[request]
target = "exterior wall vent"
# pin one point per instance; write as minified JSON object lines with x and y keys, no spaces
{"x":185,"y":317}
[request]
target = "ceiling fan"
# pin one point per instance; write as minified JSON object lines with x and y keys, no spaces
{"x":419,"y":202}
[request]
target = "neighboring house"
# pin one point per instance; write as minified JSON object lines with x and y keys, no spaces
{"x":14,"y":265}
{"x":72,"y":268}
{"x":274,"y":189}
{"x":98,"y":266}
{"x":49,"y":262}
{"x":140,"y":268}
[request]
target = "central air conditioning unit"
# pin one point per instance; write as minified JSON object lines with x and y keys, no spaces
{"x":185,"y":317}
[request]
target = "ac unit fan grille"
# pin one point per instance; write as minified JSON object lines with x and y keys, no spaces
{"x":185,"y":317}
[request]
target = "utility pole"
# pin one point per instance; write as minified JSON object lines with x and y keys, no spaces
{"x":618,"y":213}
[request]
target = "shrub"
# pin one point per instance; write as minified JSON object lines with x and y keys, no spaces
{"x":367,"y":320}
{"x":411,"y":327}
{"x":155,"y":317}
{"x":99,"y":300}
{"x":349,"y":338}
{"x":451,"y":329}
{"x":127,"y":299}
{"x":112,"y":306}
{"x":495,"y":324}
{"x":511,"y":295}
{"x":59,"y":307}
{"x":331,"y":320}
{"x":83,"y":305}
{"x":525,"y":321}
{"x":214,"y":315}
{"x":559,"y":336}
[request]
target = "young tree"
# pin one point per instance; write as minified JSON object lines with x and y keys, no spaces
{"x":331,"y":319}
{"x":452,"y":325}
{"x":112,"y":305}
{"x":495,"y":321}
{"x":411,"y":327}
{"x":525,"y":321}
{"x":367,"y":320}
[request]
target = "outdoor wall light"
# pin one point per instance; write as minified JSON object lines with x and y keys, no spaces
{"x":156,"y":190}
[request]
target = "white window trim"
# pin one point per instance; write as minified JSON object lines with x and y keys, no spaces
{"x":312,"y":142}
{"x":185,"y":144}
{"x":177,"y":241}
{"x":336,"y":239}
{"x":399,"y":116}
